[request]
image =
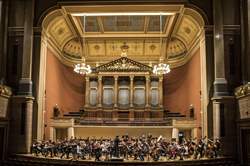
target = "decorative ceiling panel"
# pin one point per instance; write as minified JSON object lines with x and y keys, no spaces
{"x":155,"y":21}
{"x":91,"y":24}
{"x":113,"y":47}
{"x":104,"y":36}
{"x":60,"y":31}
{"x":176,"y":48}
{"x":123,"y":23}
{"x":96,"y":48}
{"x":188,"y":29}
{"x":152,"y":48}
{"x":73,"y":49}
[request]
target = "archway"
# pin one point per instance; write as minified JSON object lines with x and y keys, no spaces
{"x":181,"y":43}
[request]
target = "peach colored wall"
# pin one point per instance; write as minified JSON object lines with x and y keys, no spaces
{"x":63,"y":87}
{"x":182,"y":87}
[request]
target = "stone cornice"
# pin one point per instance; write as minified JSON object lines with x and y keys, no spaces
{"x":242,"y":91}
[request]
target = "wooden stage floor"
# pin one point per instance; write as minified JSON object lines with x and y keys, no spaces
{"x":27,"y":159}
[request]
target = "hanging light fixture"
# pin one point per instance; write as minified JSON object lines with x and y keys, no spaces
{"x":82,"y":68}
{"x":161,"y":68}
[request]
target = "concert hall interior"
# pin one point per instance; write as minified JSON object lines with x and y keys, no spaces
{"x":175,"y":70}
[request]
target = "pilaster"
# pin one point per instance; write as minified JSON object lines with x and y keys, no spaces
{"x":25,"y":82}
{"x":147,"y":90}
{"x":220,"y":82}
{"x":21,"y":124}
{"x":160,"y":87}
{"x":71,"y":133}
{"x":175,"y":132}
{"x":131,"y":101}
{"x":87,"y":88}
{"x":116,"y":91}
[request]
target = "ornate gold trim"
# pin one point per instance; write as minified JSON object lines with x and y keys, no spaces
{"x":5,"y":90}
{"x":123,"y":64}
{"x":242,"y":90}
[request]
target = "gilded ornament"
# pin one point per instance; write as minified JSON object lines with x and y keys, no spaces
{"x":5,"y":90}
{"x":243,"y":90}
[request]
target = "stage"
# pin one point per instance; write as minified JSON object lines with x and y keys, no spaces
{"x":27,"y":159}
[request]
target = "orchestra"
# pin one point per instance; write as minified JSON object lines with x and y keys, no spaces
{"x":143,"y":148}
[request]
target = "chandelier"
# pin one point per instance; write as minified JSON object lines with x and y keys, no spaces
{"x":161,"y":68}
{"x":82,"y":68}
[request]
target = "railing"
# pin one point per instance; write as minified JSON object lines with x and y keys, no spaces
{"x":138,"y":118}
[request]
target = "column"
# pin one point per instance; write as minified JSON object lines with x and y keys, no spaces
{"x":194,"y":132}
{"x":28,"y":124}
{"x":160,"y":87}
{"x":87,"y":88}
{"x":25,"y":83}
{"x":116,"y":91}
{"x":220,"y":82}
{"x":204,"y":42}
{"x":245,"y":39}
{"x":23,"y":102}
{"x":131,"y":101}
{"x":100,"y":91}
{"x":52,"y":134}
{"x":71,"y":133}
{"x":216,"y":119}
{"x":147,"y":90}
{"x":39,"y":77}
{"x":175,"y":132}
{"x":3,"y":41}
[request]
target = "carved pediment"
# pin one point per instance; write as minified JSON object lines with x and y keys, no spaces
{"x":123,"y":64}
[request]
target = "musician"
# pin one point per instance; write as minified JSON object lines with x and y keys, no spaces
{"x":217,"y":147}
{"x":97,"y":151}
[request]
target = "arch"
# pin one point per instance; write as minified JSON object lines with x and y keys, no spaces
{"x":54,"y":15}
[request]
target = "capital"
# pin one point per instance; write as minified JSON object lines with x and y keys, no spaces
{"x":86,"y":78}
{"x":116,"y":78}
{"x":147,"y":78}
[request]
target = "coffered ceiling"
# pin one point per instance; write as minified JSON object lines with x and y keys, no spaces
{"x":98,"y":38}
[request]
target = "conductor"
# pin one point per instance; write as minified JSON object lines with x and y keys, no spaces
{"x":116,"y":146}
